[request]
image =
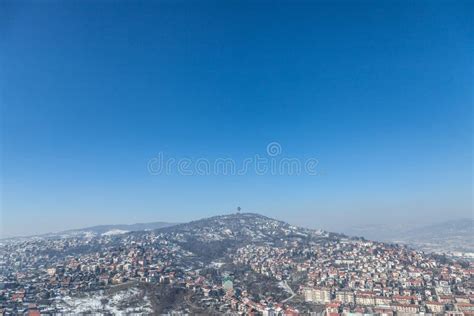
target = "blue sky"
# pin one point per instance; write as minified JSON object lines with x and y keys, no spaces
{"x":379,"y":92}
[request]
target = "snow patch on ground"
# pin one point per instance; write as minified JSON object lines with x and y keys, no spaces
{"x":115,"y":232}
{"x":89,"y":234}
{"x":125,"y":302}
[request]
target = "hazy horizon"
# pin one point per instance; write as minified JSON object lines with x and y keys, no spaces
{"x":111,"y":112}
{"x":345,"y":228}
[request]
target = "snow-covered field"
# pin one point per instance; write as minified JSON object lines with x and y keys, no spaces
{"x":125,"y":302}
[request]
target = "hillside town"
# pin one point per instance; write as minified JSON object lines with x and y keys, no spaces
{"x":241,"y":264}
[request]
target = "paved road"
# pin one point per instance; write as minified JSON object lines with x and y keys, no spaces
{"x":289,"y":289}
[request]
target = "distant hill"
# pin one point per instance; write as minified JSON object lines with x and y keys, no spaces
{"x":105,"y":230}
{"x":240,"y":226}
{"x":450,"y":236}
{"x":446,"y":237}
{"x":461,"y":228}
{"x":207,"y":239}
{"x":213,"y":237}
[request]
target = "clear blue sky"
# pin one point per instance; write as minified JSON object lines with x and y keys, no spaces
{"x":380,"y":92}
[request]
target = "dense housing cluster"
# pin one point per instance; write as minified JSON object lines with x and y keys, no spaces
{"x":361,"y":276}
